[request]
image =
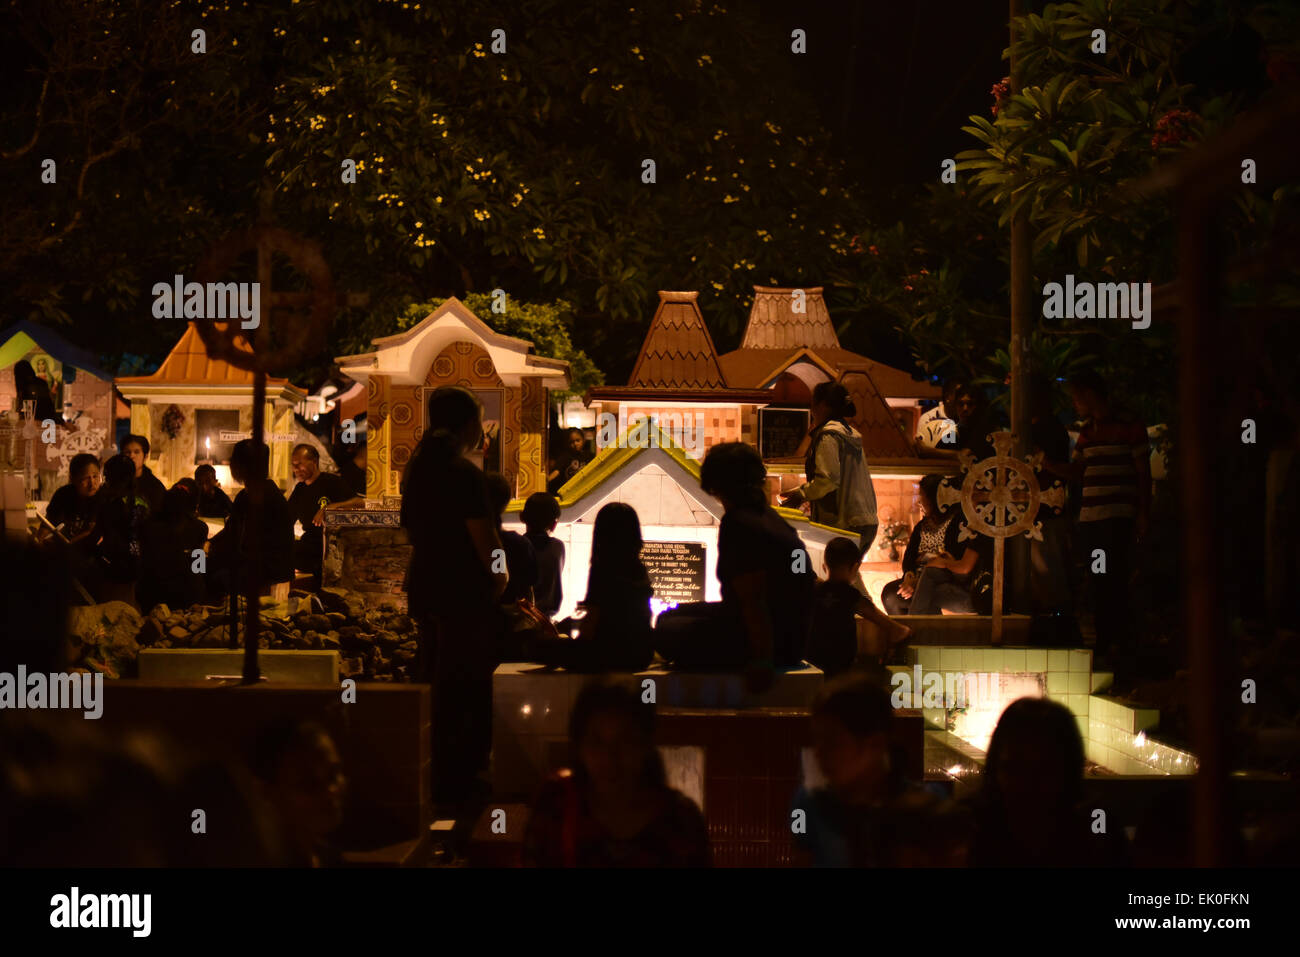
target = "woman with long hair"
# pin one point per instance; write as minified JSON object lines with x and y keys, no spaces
{"x":766,"y":579}
{"x":614,"y":635}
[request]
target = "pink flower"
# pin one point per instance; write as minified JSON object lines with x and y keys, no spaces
{"x":1174,"y":128}
{"x":1000,"y":91}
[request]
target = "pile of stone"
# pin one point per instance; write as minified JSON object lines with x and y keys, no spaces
{"x":376,"y":642}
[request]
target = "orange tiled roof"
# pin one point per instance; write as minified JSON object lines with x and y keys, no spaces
{"x":189,"y":364}
{"x":678,"y":351}
{"x":882,"y":437}
{"x":773,"y":323}
{"x":755,"y":368}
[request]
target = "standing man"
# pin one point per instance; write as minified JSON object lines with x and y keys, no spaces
{"x":1112,"y":460}
{"x":147,"y":485}
{"x":307,"y":502}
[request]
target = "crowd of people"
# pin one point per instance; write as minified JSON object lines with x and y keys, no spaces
{"x":129,"y":538}
{"x":482,"y":594}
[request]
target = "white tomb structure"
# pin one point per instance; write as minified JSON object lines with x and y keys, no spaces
{"x":647,"y":470}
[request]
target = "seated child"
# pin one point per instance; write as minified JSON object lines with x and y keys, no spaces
{"x":521,"y":561}
{"x":833,"y":642}
{"x":541,"y":513}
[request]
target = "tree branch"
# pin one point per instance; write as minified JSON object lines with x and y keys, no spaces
{"x":36,"y":131}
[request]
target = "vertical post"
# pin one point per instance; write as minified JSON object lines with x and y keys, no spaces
{"x":1022,"y":294}
{"x":256,"y":489}
{"x":1206,"y":635}
{"x":1022,"y":326}
{"x":998,"y":559}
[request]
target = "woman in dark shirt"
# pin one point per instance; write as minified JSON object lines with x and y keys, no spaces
{"x":614,"y":807}
{"x":73,"y":508}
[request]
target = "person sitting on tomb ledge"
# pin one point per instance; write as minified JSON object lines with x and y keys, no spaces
{"x":767,"y":582}
{"x":615,"y":634}
{"x":833,"y":641}
{"x":540,"y":515}
{"x":933,"y":581}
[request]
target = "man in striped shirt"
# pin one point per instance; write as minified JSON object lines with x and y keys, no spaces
{"x":1112,"y":461}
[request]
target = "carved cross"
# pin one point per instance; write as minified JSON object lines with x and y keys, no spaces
{"x":1000,"y":497}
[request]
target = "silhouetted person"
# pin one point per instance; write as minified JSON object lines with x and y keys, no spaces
{"x":453,"y":588}
{"x":170,"y":540}
{"x":147,"y":485}
{"x":301,"y":777}
{"x":613,"y":807}
{"x":766,"y":576}
{"x":540,"y":515}
{"x":1029,"y":809}
{"x":867,"y":814}
{"x":213,"y":502}
{"x":254,"y":554}
{"x":614,"y":634}
{"x":833,"y":640}
{"x":123,"y":514}
{"x":1112,"y":459}
{"x":521,"y":559}
{"x":32,"y":388}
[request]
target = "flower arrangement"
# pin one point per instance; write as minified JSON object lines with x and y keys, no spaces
{"x":172,"y":421}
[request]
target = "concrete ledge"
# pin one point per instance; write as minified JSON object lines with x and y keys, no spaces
{"x":281,"y":667}
{"x":965,"y":629}
{"x":531,"y":707}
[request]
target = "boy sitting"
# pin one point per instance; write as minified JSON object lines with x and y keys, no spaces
{"x":833,"y":643}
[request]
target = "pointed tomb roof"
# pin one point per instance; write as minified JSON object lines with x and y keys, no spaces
{"x":188,"y":365}
{"x":678,"y":351}
{"x":677,"y":359}
{"x":776,"y":337}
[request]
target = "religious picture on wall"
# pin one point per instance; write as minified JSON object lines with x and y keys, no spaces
{"x":50,"y":371}
{"x":488,"y":456}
